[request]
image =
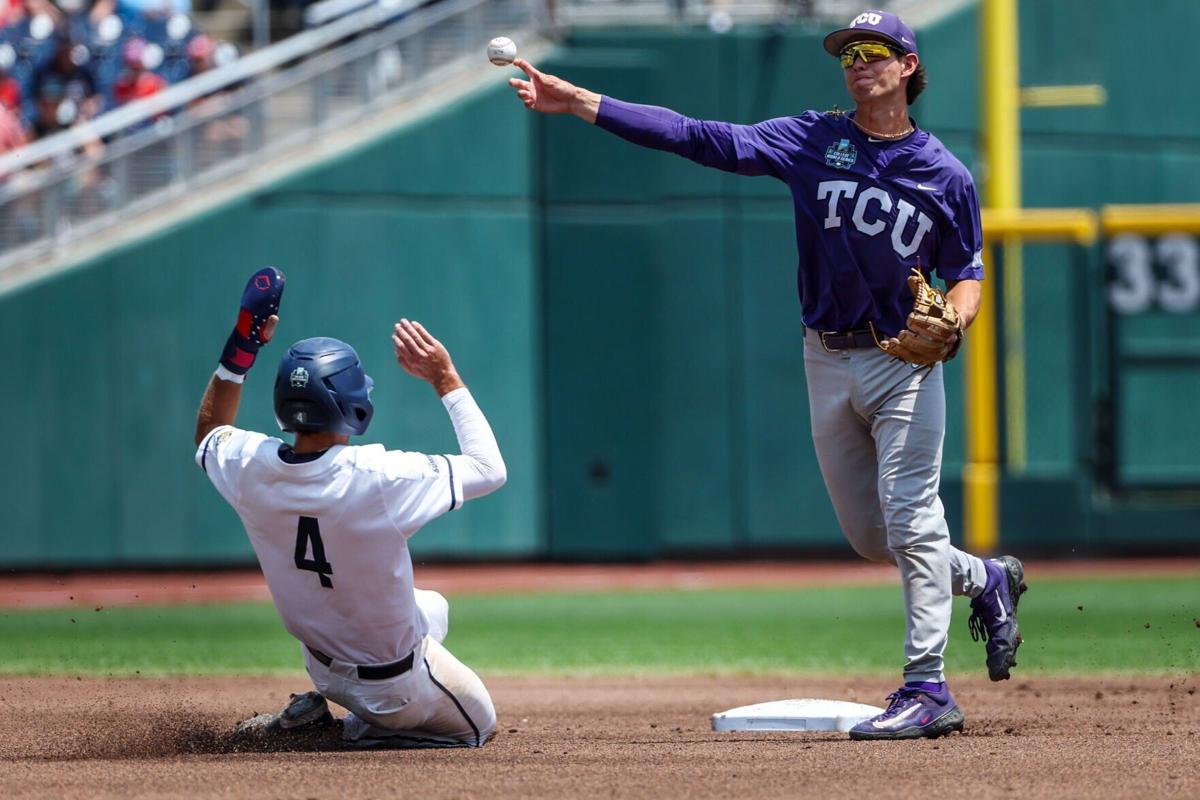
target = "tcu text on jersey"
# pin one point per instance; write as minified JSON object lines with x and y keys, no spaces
{"x":870,"y":212}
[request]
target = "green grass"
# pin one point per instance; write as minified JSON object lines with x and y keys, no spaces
{"x":817,"y":631}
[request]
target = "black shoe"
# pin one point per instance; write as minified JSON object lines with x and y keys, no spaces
{"x":308,"y":709}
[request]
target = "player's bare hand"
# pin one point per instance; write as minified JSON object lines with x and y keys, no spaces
{"x":551,"y":94}
{"x":424,"y":357}
{"x":268,"y":329}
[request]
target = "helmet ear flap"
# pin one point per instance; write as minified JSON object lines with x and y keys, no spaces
{"x":351,"y":392}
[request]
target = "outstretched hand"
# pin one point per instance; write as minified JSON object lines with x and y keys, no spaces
{"x":551,"y":94}
{"x":256,"y":320}
{"x":424,"y":357}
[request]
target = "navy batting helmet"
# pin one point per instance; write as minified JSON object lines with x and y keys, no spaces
{"x":321,"y":386}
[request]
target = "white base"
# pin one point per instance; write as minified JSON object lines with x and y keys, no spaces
{"x":807,"y":714}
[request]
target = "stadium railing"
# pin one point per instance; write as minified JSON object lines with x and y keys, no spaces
{"x":59,"y":189}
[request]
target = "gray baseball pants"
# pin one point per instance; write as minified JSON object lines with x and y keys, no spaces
{"x":878,"y":430}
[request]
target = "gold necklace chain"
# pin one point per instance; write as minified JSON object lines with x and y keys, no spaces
{"x":891,"y":137}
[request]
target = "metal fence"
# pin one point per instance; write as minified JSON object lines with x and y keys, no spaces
{"x":96,"y":175}
{"x":153,"y":151}
{"x":718,"y":14}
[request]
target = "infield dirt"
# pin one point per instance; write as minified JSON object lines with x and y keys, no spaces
{"x":564,"y":737}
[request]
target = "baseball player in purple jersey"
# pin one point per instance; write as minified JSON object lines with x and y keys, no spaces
{"x":874,"y":196}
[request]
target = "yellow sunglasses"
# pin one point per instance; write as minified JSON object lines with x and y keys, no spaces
{"x":867,"y":51}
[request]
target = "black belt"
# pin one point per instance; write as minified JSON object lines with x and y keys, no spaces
{"x":834,"y":341}
{"x":373,"y":672}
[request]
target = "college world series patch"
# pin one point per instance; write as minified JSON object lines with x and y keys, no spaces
{"x":841,"y":155}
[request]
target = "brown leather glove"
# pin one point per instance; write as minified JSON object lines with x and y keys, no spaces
{"x":934,"y":330}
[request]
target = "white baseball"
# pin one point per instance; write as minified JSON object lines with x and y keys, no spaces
{"x":501,"y":51}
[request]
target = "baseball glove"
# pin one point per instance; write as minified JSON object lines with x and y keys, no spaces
{"x":934,"y":330}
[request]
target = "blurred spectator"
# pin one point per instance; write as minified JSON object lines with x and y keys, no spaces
{"x":139,"y":80}
{"x":201,"y":54}
{"x":11,"y":11}
{"x":70,"y":73}
{"x":229,"y":129}
{"x":11,"y":95}
{"x":86,"y":11}
{"x":287,"y":17}
{"x":57,"y":112}
{"x":54,"y":111}
{"x":204,"y":53}
{"x":12,"y":131}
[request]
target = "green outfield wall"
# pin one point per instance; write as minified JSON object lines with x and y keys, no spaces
{"x":628,"y":320}
{"x":715,"y":454}
{"x":422,"y":223}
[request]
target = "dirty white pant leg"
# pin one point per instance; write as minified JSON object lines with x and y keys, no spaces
{"x":436,"y":611}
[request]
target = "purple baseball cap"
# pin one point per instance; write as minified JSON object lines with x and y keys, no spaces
{"x":873,"y":25}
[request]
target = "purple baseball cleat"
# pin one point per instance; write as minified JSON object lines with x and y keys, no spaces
{"x":994,"y":617}
{"x":913,"y":713}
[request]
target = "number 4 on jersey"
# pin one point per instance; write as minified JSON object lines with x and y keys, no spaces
{"x":309,"y":531}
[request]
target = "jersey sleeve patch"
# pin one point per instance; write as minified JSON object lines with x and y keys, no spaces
{"x":224,"y":454}
{"x":217,"y":438}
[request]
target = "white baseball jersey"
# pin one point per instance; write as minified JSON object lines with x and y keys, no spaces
{"x":331,"y":533}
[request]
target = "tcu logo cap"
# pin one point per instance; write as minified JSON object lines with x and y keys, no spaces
{"x":878,"y":25}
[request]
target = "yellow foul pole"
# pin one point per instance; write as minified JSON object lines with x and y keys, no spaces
{"x":1001,"y":155}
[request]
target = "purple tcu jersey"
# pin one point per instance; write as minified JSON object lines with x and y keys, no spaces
{"x":867,"y":211}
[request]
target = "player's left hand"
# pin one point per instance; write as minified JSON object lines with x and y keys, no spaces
{"x":257,"y":318}
{"x":934,"y":330}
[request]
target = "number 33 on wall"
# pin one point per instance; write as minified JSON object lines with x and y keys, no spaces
{"x":1165,"y":275}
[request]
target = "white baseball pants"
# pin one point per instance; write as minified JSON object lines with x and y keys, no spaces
{"x":440,"y":702}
